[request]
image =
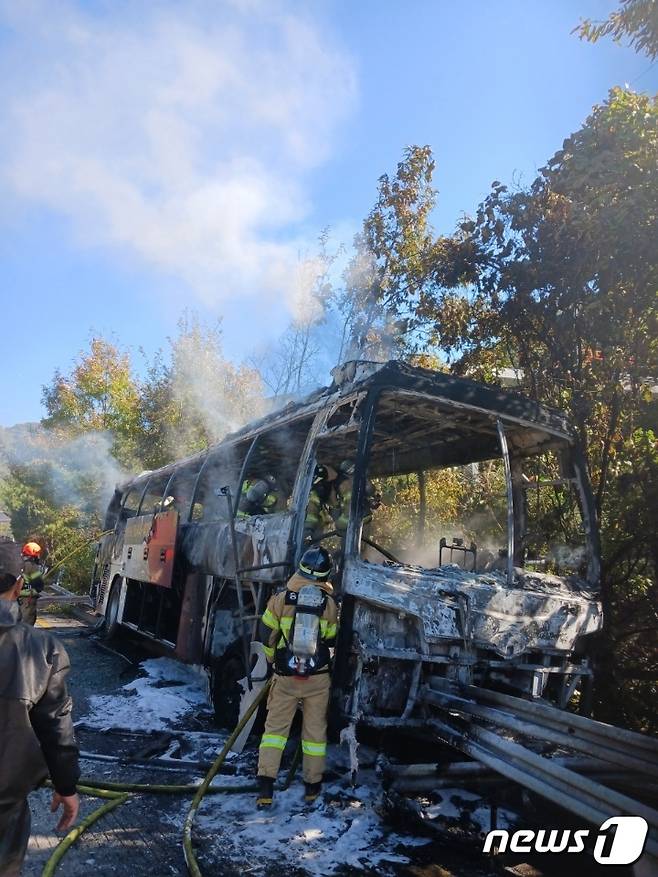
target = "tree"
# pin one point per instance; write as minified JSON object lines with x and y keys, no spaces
{"x":55,"y":491}
{"x":298,"y":359}
{"x":100,"y":394}
{"x":559,"y":280}
{"x":386,"y":275}
{"x":635,"y":20}
{"x":193,"y":396}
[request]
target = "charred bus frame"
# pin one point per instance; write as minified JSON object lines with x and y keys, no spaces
{"x":196,"y":582}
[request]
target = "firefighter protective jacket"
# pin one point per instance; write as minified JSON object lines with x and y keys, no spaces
{"x":35,"y":711}
{"x":276,"y":627}
{"x":33,"y":583}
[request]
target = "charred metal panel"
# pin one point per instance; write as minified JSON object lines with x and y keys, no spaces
{"x":383,"y":687}
{"x":189,"y":642}
{"x":538,"y":612}
{"x":149,"y":547}
{"x":225,"y":631}
{"x":261,"y":540}
{"x":407,"y":592}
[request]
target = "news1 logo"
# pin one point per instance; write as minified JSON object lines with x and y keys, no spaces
{"x":619,"y":841}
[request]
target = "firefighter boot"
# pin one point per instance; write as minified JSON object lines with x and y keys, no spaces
{"x":265,"y":792}
{"x":311,"y":791}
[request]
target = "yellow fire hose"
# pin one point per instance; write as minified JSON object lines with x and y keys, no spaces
{"x":115,"y":800}
{"x":118,"y":793}
{"x":190,"y":858}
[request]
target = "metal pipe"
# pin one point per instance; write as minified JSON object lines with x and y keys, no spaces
{"x":575,"y":724}
{"x":195,"y":489}
{"x":263,"y":566}
{"x":226,"y":491}
{"x":461,"y":769}
{"x":590,"y":801}
{"x":243,"y":472}
{"x":510,"y":501}
{"x":591,"y":793}
{"x":490,"y":778}
{"x":605,"y":750}
{"x":392,"y":722}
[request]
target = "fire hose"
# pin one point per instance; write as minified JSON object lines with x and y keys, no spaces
{"x":117,"y":794}
{"x":48,"y":573}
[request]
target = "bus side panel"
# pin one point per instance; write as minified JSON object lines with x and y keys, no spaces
{"x":261,"y":541}
{"x":189,"y":642}
{"x":149,"y":548}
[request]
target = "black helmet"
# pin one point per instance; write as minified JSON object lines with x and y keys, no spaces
{"x":346,"y":467}
{"x":321,"y":473}
{"x":315,"y":563}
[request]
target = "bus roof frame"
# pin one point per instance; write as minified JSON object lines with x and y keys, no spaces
{"x":488,"y":401}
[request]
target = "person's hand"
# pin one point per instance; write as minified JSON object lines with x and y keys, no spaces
{"x":70,"y":805}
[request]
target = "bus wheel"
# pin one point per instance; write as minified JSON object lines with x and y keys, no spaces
{"x":112,"y":612}
{"x":226,"y":691}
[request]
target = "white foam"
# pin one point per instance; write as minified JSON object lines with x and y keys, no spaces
{"x":342,"y":829}
{"x":143,"y":705}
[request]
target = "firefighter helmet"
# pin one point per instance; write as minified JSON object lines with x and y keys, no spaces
{"x":31,"y":550}
{"x":321,"y":473}
{"x":315,"y":564}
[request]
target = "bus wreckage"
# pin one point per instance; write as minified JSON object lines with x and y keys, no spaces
{"x":478,"y":564}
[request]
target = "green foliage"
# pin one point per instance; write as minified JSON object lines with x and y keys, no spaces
{"x":100,"y":394}
{"x":416,"y":512}
{"x":559,"y":280}
{"x":193,"y":397}
{"x":384,"y":277}
{"x":635,"y":20}
{"x":104,"y":423}
{"x":39,"y":512}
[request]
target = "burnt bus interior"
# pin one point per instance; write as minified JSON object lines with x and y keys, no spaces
{"x":426,"y":458}
{"x":203,"y":492}
{"x":182,"y":569}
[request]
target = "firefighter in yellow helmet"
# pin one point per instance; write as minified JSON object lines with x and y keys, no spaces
{"x":297,"y":628}
{"x":33,"y":582}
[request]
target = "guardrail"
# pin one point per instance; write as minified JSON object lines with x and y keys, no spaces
{"x":461,"y":716}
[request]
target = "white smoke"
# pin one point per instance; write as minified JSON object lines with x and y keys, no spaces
{"x":221,"y":395}
{"x":180,"y":133}
{"x":79,"y":472}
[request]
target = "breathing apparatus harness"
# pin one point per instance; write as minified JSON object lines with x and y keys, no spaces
{"x":304,"y":654}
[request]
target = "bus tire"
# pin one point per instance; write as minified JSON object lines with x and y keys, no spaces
{"x":112,"y":625}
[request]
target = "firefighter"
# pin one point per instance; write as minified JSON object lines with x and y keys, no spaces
{"x":343,"y":491}
{"x":33,"y":582}
{"x":258,"y":497}
{"x":297,"y":628}
{"x":321,"y":503}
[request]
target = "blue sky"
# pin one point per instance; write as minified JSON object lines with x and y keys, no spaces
{"x":158,"y":156}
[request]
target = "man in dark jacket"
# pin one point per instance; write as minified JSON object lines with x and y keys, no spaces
{"x":36,"y":729}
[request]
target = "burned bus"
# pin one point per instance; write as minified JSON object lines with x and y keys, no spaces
{"x":470,"y":551}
